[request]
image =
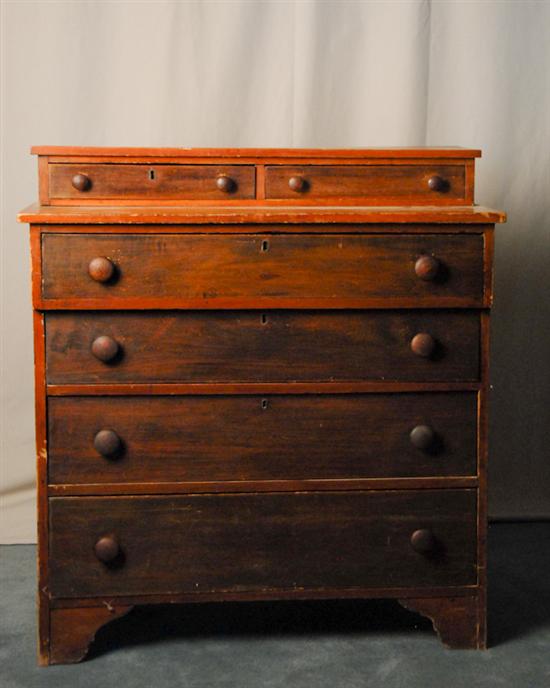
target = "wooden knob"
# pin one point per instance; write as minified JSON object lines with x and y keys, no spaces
{"x":437,"y":183}
{"x":423,"y":344}
{"x":423,"y":541}
{"x":105,"y":348}
{"x":107,"y":443}
{"x":426,"y":268}
{"x":81,"y":182}
{"x":101,"y":269}
{"x":225,"y":183}
{"x":422,"y":437}
{"x":297,"y":184}
{"x":107,"y":549}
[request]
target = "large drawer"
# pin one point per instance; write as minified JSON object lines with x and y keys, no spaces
{"x":85,"y":182}
{"x":241,"y":437}
{"x":427,"y":184}
{"x":247,"y":346}
{"x":253,"y":542}
{"x":206,"y":269}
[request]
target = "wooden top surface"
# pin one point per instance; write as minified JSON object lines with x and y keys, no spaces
{"x":37,"y":214}
{"x":348,"y":153}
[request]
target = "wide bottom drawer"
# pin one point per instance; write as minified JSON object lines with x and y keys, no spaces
{"x":254,"y":542}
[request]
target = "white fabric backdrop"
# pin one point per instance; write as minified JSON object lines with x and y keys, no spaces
{"x":295,"y":73}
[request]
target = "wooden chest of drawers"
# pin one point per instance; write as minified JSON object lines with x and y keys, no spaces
{"x":260,"y":374}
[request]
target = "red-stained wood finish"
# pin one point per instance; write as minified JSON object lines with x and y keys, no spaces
{"x":199,"y":182}
{"x":385,"y":184}
{"x":260,"y":374}
{"x":98,"y":152}
{"x":262,"y":213}
{"x":455,"y":619}
{"x":72,"y":630}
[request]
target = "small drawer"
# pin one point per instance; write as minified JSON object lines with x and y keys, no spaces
{"x":251,"y":346}
{"x":258,"y":542}
{"x":201,"y":270}
{"x":93,"y":182}
{"x":370,"y":184}
{"x":278,"y":437}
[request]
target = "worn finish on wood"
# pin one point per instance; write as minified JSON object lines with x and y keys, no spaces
{"x":261,"y":213}
{"x":382,"y":184}
{"x":256,"y":542}
{"x":261,"y":153}
{"x":254,"y":267}
{"x":226,"y":377}
{"x":243,"y":346}
{"x":72,"y":630}
{"x":203,"y":438}
{"x":290,"y":594}
{"x":457,"y":620}
{"x":42,"y":503}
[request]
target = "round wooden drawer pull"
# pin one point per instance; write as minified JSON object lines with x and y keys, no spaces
{"x":105,"y":348}
{"x":225,"y":183}
{"x":423,"y":541}
{"x":107,"y":549}
{"x":427,"y":268}
{"x":423,"y":344}
{"x":101,"y":269}
{"x":107,"y":443}
{"x":81,"y":182}
{"x":422,"y":437}
{"x":297,"y":184}
{"x":437,"y":183}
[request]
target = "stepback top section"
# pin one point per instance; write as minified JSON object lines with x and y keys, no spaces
{"x":181,"y":176}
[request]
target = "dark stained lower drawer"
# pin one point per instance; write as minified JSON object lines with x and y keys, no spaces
{"x":203,"y":543}
{"x":249,"y":346}
{"x":242,"y":437}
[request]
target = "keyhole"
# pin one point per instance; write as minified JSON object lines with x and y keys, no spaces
{"x":152,"y":175}
{"x":264,"y":404}
{"x":265,"y":245}
{"x":264,"y":319}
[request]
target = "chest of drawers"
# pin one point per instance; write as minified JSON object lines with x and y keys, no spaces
{"x":260,"y":374}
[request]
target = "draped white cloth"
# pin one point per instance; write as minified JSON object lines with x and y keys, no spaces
{"x":295,"y":73}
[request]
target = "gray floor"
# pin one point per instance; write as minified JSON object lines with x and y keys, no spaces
{"x":316,"y":644}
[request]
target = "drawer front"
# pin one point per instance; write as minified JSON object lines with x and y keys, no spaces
{"x":236,"y":438}
{"x":206,"y":268}
{"x":249,"y":346}
{"x":251,"y":542}
{"x":85,"y":182}
{"x":375,"y":184}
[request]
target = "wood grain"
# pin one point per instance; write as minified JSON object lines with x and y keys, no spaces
{"x":256,"y":212}
{"x":204,"y":543}
{"x":72,"y":630}
{"x":265,"y":388}
{"x":150,"y":182}
{"x":376,"y":185}
{"x":205,"y":267}
{"x":297,"y":437}
{"x":454,"y":619}
{"x":243,"y":346}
